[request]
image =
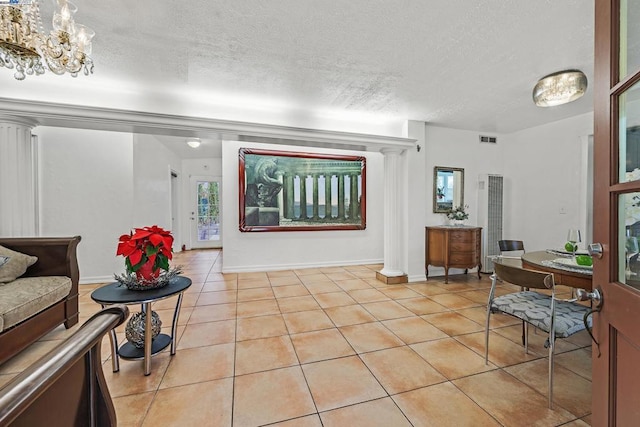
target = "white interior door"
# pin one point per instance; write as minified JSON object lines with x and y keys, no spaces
{"x":205,"y":214}
{"x":175,"y":197}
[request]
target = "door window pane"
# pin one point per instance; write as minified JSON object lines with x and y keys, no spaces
{"x":629,"y":134}
{"x":629,"y":37}
{"x":628,"y":236}
{"x":208,"y":211}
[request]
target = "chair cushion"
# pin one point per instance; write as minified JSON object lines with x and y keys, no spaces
{"x":23,"y":298}
{"x":534,"y":308}
{"x":15,"y":266}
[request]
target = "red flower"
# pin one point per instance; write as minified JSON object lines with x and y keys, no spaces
{"x":152,"y":245}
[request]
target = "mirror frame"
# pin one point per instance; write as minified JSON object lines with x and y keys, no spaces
{"x":455,"y":203}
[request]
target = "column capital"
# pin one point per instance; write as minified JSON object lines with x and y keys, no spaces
{"x":392,"y":150}
{"x":17,"y":120}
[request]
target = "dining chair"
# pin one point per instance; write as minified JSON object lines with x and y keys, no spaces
{"x":510,"y":246}
{"x":557,"y":317}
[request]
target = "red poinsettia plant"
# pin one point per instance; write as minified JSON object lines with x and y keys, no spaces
{"x":146,"y":250}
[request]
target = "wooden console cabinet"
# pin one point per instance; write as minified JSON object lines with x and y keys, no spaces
{"x":450,"y":246}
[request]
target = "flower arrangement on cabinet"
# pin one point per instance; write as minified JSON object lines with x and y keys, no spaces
{"x":458,"y":213}
{"x":147,"y":252}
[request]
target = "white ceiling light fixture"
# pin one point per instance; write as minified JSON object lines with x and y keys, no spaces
{"x":25,"y":47}
{"x":194,"y":142}
{"x":559,"y":88}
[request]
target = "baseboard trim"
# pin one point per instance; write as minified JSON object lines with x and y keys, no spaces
{"x":272,"y":267}
{"x":417,"y":278}
{"x":96,"y":279}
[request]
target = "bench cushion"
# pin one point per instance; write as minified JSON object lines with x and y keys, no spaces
{"x":25,"y":297}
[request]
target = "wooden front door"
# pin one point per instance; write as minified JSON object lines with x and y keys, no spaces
{"x":616,"y":361}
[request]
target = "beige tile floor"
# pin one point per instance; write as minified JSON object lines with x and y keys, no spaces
{"x":335,"y":347}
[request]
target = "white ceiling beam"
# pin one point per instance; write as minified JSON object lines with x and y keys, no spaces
{"x":84,"y":117}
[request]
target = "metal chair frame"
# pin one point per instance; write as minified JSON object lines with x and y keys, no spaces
{"x":528,"y":279}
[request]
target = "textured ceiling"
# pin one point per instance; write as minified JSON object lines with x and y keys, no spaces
{"x":467,"y":64}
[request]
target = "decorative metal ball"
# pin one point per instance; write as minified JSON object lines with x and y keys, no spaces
{"x":134,"y":331}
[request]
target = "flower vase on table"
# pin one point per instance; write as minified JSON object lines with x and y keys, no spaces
{"x":147,"y":252}
{"x":147,"y":272}
{"x":458,"y":215}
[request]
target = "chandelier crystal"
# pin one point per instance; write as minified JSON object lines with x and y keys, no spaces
{"x":559,"y":88}
{"x":25,"y":47}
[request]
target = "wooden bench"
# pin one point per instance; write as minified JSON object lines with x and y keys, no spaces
{"x":56,"y":257}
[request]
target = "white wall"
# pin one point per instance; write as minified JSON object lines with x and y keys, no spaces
{"x":459,"y":149}
{"x":86,"y":189}
{"x":100,"y":185}
{"x":418,"y":201}
{"x":260,"y":251}
{"x":152,"y":165}
{"x":546,"y":171}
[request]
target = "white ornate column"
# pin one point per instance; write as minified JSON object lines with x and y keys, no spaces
{"x":393,"y":207}
{"x":17,"y":182}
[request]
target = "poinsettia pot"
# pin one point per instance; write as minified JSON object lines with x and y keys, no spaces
{"x":147,"y":272}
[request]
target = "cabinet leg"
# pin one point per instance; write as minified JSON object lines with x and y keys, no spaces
{"x":426,"y":272}
{"x":479,"y":268}
{"x":446,"y":275}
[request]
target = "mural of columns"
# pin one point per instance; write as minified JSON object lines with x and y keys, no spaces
{"x":299,"y":185}
{"x":312,"y":183}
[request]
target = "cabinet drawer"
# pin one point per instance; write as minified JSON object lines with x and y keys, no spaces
{"x":464,"y":258}
{"x":463,"y":236}
{"x":462,"y":247}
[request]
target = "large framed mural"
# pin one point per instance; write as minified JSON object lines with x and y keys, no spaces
{"x":291,"y":191}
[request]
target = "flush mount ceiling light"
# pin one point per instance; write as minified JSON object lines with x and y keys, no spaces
{"x":25,"y":47}
{"x":559,"y":88}
{"x":193,"y":142}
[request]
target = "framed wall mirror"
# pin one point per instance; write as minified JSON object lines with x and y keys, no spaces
{"x":448,"y":188}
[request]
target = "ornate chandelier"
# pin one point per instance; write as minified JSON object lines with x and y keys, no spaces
{"x":25,"y":47}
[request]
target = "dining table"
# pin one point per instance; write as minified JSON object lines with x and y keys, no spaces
{"x":551,"y":261}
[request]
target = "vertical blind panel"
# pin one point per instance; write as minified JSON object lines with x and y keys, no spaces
{"x":494,"y":218}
